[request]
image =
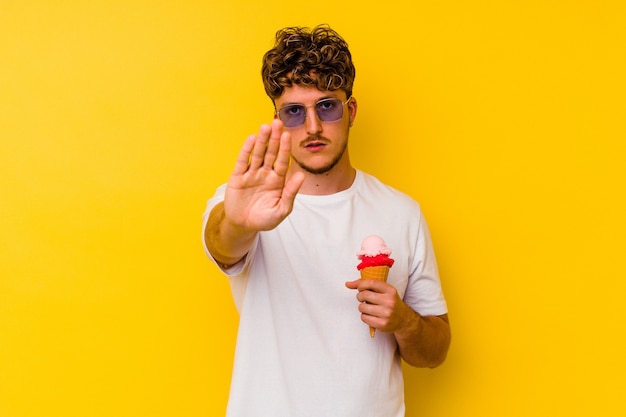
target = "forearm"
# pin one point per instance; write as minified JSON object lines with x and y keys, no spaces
{"x":227,"y":243}
{"x":425,"y":340}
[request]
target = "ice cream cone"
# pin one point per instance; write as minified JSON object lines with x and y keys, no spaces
{"x":375,"y":261}
{"x":379,"y":273}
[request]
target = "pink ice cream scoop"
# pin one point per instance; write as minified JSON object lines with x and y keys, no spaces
{"x":374,"y":252}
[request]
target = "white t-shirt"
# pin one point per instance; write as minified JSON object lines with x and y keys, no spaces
{"x":302,"y":349}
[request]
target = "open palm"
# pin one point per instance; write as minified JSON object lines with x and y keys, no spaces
{"x":259,"y":195}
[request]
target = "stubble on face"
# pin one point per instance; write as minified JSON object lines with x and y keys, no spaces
{"x":325,"y":168}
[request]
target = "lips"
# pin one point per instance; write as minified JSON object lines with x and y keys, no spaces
{"x":314,"y":145}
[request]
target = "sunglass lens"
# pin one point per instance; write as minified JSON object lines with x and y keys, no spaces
{"x":292,"y":116}
{"x":329,"y":110}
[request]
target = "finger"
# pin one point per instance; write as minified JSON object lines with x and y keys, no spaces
{"x":284,"y":154}
{"x":243,"y":159}
{"x":368,"y":296}
{"x":369,"y":309}
{"x":260,"y":146}
{"x":373,"y":321}
{"x":274,"y":144}
{"x":385,"y":296}
{"x":291,"y":188}
{"x":370,"y":317}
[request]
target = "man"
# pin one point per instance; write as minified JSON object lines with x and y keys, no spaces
{"x":286,"y":229}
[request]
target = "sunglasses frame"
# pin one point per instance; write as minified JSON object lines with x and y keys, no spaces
{"x":306,"y":106}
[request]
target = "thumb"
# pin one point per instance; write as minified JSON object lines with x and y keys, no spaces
{"x":290,"y":190}
{"x":292,"y":186}
{"x":353,"y":285}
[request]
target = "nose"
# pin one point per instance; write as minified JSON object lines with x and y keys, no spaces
{"x":312,"y":122}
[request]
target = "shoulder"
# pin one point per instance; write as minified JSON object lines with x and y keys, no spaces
{"x":372,"y":187}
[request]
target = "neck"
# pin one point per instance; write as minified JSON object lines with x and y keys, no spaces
{"x":338,"y":179}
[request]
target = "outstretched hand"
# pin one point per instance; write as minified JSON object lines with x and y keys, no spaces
{"x":259,"y":195}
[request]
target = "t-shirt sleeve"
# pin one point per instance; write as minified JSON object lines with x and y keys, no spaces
{"x":424,"y":293}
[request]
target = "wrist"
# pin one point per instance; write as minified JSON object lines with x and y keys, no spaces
{"x":227,"y":242}
{"x":410,"y":323}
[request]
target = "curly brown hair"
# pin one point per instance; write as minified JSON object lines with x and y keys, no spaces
{"x":318,"y":58}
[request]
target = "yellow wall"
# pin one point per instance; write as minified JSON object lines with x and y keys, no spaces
{"x":118,"y":119}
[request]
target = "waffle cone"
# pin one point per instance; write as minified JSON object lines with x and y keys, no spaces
{"x":378,"y":273}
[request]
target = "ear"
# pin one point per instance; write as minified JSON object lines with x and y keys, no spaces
{"x":352,"y":108}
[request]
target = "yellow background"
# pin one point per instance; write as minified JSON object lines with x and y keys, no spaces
{"x":119,"y":118}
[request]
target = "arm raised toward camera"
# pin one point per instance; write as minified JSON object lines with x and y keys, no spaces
{"x":259,"y":195}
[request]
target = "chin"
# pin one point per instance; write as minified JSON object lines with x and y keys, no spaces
{"x":317,"y":170}
{"x":323,"y":167}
